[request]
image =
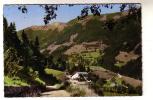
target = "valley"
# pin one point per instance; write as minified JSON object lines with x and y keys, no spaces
{"x":92,"y":56}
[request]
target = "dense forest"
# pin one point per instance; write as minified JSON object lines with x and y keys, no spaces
{"x":22,"y":58}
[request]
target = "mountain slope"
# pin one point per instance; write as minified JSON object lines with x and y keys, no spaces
{"x":121,"y":33}
{"x":88,"y":29}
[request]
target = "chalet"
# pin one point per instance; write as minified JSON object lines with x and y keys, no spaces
{"x":94,"y":45}
{"x":80,"y":76}
{"x":91,"y":45}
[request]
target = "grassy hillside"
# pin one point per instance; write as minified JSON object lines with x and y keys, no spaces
{"x":89,"y":29}
{"x":124,"y":35}
{"x":56,"y":73}
{"x":45,"y":36}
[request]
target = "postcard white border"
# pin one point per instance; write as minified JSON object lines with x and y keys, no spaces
{"x":147,"y":42}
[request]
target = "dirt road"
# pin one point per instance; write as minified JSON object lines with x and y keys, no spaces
{"x":56,"y":93}
{"x":89,"y":92}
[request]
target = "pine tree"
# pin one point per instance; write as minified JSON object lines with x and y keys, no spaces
{"x":11,"y":49}
{"x":26,"y":50}
{"x":37,"y":42}
{"x":25,"y":39}
{"x":5,"y":28}
{"x":35,"y":47}
{"x":10,"y":36}
{"x":5,"y":24}
{"x":15,"y":39}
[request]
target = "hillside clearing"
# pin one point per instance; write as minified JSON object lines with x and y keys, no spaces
{"x":56,"y":73}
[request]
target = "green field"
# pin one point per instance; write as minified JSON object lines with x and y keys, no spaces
{"x":58,"y":74}
{"x":91,"y":55}
{"x":15,"y":81}
{"x":89,"y":58}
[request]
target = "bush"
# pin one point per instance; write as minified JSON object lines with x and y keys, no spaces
{"x":139,"y":90}
{"x":14,"y":81}
{"x":75,"y":91}
{"x":40,"y":81}
{"x":135,"y":90}
{"x":11,"y":62}
{"x":65,"y":85}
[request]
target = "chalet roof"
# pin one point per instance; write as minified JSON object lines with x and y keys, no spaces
{"x":91,"y":43}
{"x":81,"y":73}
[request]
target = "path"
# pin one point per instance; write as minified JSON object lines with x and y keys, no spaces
{"x":89,"y":92}
{"x":56,"y":93}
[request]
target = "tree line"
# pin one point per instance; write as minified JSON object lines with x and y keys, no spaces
{"x":22,"y":54}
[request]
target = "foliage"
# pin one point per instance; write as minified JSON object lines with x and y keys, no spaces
{"x":64,"y":85}
{"x":133,"y":67}
{"x":55,"y":73}
{"x":10,"y":36}
{"x":57,"y":63}
{"x":118,"y":94}
{"x":97,"y":84}
{"x":50,"y":11}
{"x":19,"y":55}
{"x":40,"y":81}
{"x":119,"y":64}
{"x":15,"y":81}
{"x":76,"y":91}
{"x":130,"y":35}
{"x":59,"y":52}
{"x":83,"y":61}
{"x":11,"y":61}
{"x":95,"y":9}
{"x":112,"y":87}
{"x":93,"y":30}
{"x":22,"y":52}
{"x":76,"y":63}
{"x":53,"y":76}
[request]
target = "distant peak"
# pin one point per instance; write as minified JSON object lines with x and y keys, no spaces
{"x":56,"y":25}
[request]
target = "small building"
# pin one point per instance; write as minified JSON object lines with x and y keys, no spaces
{"x":80,"y":75}
{"x":93,"y":46}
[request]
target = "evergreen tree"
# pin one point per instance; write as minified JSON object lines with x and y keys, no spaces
{"x":15,"y":38}
{"x":26,"y":51}
{"x":37,"y":42}
{"x":11,"y":49}
{"x":5,"y":28}
{"x":5,"y":24}
{"x":10,"y":36}
{"x":25,"y":39}
{"x":35,"y":47}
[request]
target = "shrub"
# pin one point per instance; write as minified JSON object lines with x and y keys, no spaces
{"x":14,"y":81}
{"x":65,"y":85}
{"x":75,"y":91}
{"x":41,"y":82}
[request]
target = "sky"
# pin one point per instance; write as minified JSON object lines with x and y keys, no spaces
{"x":36,"y":13}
